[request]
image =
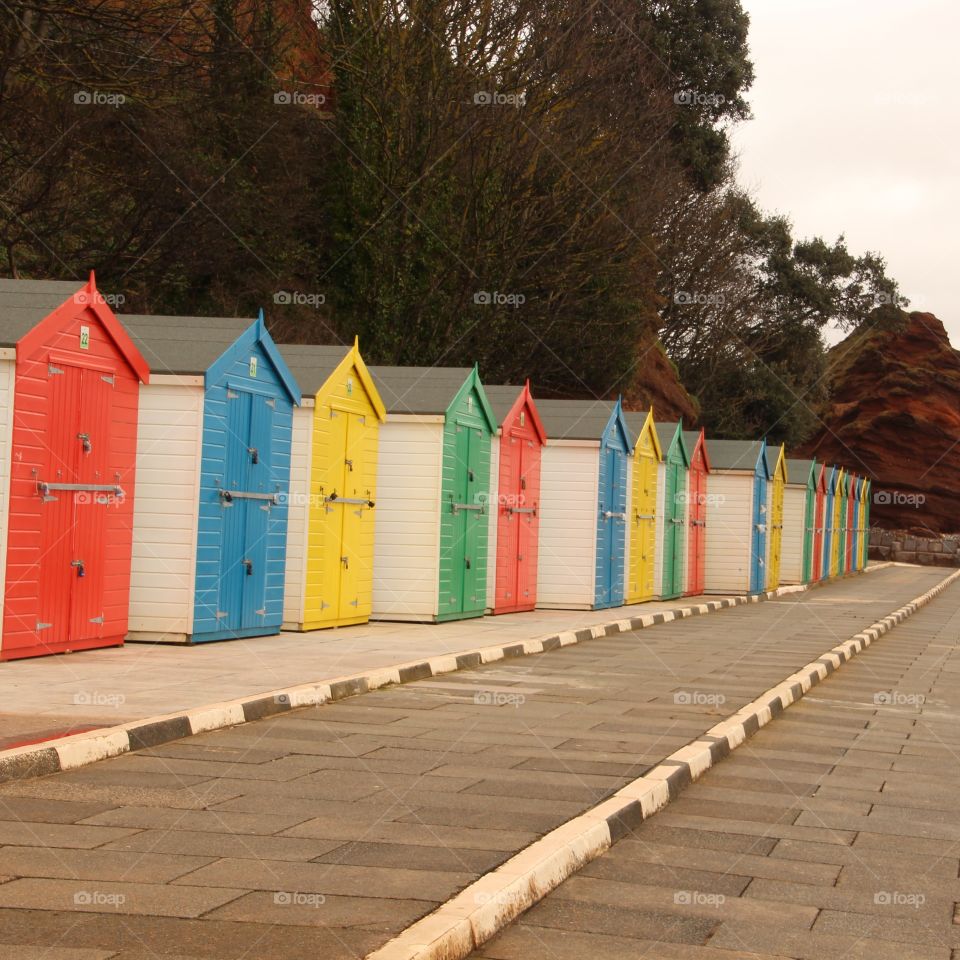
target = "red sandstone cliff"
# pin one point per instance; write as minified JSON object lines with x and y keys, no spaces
{"x":894,"y":414}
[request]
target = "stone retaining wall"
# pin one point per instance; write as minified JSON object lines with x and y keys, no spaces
{"x":902,"y":547}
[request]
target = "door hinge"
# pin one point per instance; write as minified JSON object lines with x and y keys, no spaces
{"x":52,"y":371}
{"x":272,"y":403}
{"x":222,"y":613}
{"x":262,"y":612}
{"x":108,"y":379}
{"x":324,"y":606}
{"x":232,"y":395}
{"x":354,"y":603}
{"x":44,"y":626}
{"x":97,"y":619}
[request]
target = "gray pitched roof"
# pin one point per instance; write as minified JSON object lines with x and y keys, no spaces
{"x":24,"y":303}
{"x":183,"y":345}
{"x":734,"y":454}
{"x":690,"y":438}
{"x":312,"y":364}
{"x":420,"y":390}
{"x":575,"y":419}
{"x":798,"y":471}
{"x":501,"y":398}
{"x":665,"y":432}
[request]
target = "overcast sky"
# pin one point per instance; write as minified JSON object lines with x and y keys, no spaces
{"x":856,"y":130}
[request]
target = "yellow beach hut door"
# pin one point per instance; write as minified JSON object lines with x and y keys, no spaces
{"x":643,"y":536}
{"x":341,"y":526}
{"x":776,"y":531}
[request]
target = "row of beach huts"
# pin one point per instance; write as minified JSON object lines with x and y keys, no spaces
{"x":178,"y":479}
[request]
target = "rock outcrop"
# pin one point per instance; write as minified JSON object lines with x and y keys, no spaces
{"x":894,"y":414}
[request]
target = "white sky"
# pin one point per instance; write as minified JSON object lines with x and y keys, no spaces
{"x":857,"y":131}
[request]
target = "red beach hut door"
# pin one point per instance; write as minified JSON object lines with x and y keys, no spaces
{"x":697,"y":516}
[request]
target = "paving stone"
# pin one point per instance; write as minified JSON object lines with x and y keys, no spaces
{"x":58,"y":835}
{"x":326,"y":878}
{"x":410,"y":857}
{"x":96,"y":864}
{"x":22,"y":952}
{"x":154,"y":899}
{"x":215,"y":845}
{"x":924,"y":931}
{"x":691,"y":877}
{"x":209,"y":821}
{"x":414,"y":834}
{"x":36,"y":810}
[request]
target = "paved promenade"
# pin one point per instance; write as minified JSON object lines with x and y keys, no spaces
{"x":329,"y":830}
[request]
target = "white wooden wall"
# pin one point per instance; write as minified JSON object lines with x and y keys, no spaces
{"x":729,"y":529}
{"x":166,"y":504}
{"x":659,"y":527}
{"x":8,"y":368}
{"x":569,"y":492}
{"x":298,"y":514}
{"x":406,"y":562}
{"x":791,"y":557}
{"x":493,"y":511}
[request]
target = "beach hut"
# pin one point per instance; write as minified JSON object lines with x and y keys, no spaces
{"x":775,"y":518}
{"x":672,"y":475}
{"x":837,"y":531}
{"x":333,"y":480}
{"x":865,"y":495}
{"x":854,"y":563}
{"x":697,"y":493}
{"x":819,"y":521}
{"x":853,"y":484}
{"x":583,"y":500}
{"x":514,"y":508}
{"x":828,"y":516}
{"x":433,"y":491}
{"x":642,"y":508}
{"x":737,"y":516}
{"x":213,"y":474}
{"x":797,"y":563}
{"x":69,"y":387}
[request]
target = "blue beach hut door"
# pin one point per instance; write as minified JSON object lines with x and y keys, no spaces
{"x":758,"y":546}
{"x":247,"y":499}
{"x":611,"y":522}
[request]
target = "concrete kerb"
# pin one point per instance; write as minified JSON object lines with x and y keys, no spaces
{"x":489,"y":904}
{"x":81,"y":749}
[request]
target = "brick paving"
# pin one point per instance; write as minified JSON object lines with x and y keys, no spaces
{"x":331,"y":829}
{"x":833,"y":833}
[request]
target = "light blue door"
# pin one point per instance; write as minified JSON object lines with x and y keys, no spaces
{"x":758,"y":551}
{"x":246,"y":505}
{"x":611,"y":523}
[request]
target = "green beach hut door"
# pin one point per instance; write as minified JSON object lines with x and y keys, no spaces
{"x":672,"y":531}
{"x":464,"y":520}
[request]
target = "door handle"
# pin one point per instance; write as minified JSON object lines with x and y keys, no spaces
{"x":254,"y":454}
{"x":349,"y":464}
{"x":81,"y":568}
{"x":466,"y":561}
{"x":346,"y":562}
{"x":248,"y":565}
{"x":84,"y":438}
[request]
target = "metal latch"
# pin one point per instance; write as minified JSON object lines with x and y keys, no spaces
{"x":228,"y":496}
{"x":611,"y":513}
{"x":81,"y":569}
{"x":254,"y":454}
{"x":532,"y":510}
{"x":248,"y":566}
{"x":84,"y":438}
{"x":44,"y":488}
{"x":333,"y":498}
{"x":478,"y":507}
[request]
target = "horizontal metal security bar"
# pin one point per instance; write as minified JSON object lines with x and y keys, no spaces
{"x":229,"y":495}
{"x":645,"y":516}
{"x":82,"y":487}
{"x":521,"y":509}
{"x":608,"y":514}
{"x":360,"y":500}
{"x":479,"y":507}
